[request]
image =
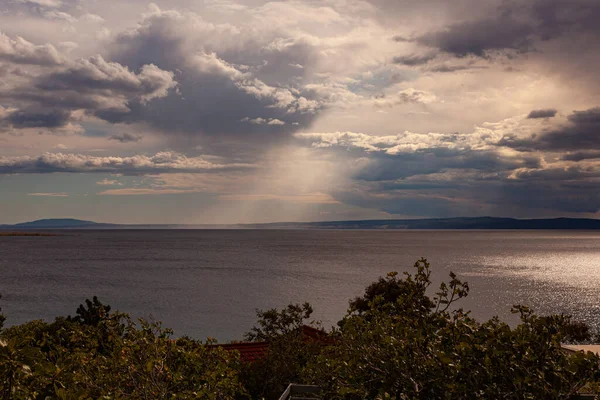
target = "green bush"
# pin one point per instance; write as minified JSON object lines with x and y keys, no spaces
{"x":2,"y":317}
{"x":396,"y":342}
{"x":111,"y":358}
{"x":288,"y":352}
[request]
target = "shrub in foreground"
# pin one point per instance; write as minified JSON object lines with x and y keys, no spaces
{"x":396,"y":342}
{"x":111,"y":357}
{"x":288,"y":353}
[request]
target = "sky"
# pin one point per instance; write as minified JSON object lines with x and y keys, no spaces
{"x":218,"y":111}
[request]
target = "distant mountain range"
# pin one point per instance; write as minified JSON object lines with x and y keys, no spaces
{"x":431,"y":223}
{"x":61,"y":223}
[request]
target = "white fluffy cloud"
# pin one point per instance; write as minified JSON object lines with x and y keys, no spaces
{"x":19,"y":51}
{"x":163,"y":162}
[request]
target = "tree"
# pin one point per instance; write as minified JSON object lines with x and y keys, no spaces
{"x":288,"y":353}
{"x":146,"y":363}
{"x":274,"y":323}
{"x":92,"y":313}
{"x":407,"y":293}
{"x":397,"y":342}
{"x":111,"y":357}
{"x":2,"y":317}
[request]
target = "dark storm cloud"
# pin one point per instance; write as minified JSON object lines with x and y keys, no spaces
{"x":577,"y":196}
{"x":466,"y":195}
{"x":586,"y":117}
{"x":93,"y":85}
{"x":544,"y":113}
{"x":516,"y":26}
{"x":581,"y":155}
{"x":385,"y":158}
{"x":454,"y":68}
{"x":414,"y":59}
{"x":49,"y":119}
{"x":448,"y":181}
{"x":96,"y":74}
{"x":479,"y":37}
{"x":382,"y":167}
{"x":29,"y":96}
{"x":211,"y":106}
{"x":422,"y":204}
{"x":216,"y":93}
{"x":572,"y":173}
{"x":125,"y":137}
{"x":582,"y":131}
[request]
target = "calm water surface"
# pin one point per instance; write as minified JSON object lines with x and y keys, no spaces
{"x":208,"y":283}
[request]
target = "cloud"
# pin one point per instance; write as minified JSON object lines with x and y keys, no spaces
{"x":42,"y":3}
{"x":505,"y":32}
{"x":409,"y":95}
{"x":578,"y":133}
{"x":412,"y":203}
{"x":25,"y":119}
{"x":93,"y":85}
{"x":406,"y":142}
{"x":48,"y":194}
{"x":451,"y":68}
{"x":94,"y":18}
{"x":220,"y":82}
{"x":380,"y":158}
{"x":516,"y":26}
{"x":59,"y":15}
{"x":109,"y":182}
{"x":383,"y":167}
{"x":586,"y":117}
{"x":264,"y":121}
{"x":392,"y":117}
{"x":468,"y":194}
{"x":471,"y":173}
{"x":542,"y":113}
{"x":581,"y":155}
{"x":414,"y":59}
{"x":163,"y":162}
{"x":145,"y":191}
{"x":125,"y":137}
{"x":96,"y":77}
{"x":20,"y":51}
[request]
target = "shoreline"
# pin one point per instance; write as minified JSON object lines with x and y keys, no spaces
{"x":28,"y":234}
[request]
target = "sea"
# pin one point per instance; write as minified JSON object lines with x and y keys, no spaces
{"x":209,"y":283}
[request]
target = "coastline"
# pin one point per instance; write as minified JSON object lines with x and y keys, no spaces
{"x":28,"y":234}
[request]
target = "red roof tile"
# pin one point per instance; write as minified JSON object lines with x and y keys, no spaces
{"x":252,"y":351}
{"x":249,"y":351}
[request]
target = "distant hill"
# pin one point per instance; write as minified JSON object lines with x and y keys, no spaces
{"x":430,"y":223}
{"x":451,"y":223}
{"x":59,"y":223}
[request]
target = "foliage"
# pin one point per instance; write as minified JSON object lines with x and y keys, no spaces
{"x":398,"y":343}
{"x":275,"y":323}
{"x":112,"y":358}
{"x":400,"y":340}
{"x":2,"y":317}
{"x":288,"y":353}
{"x":93,"y":314}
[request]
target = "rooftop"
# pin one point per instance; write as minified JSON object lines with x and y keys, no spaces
{"x":252,"y":351}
